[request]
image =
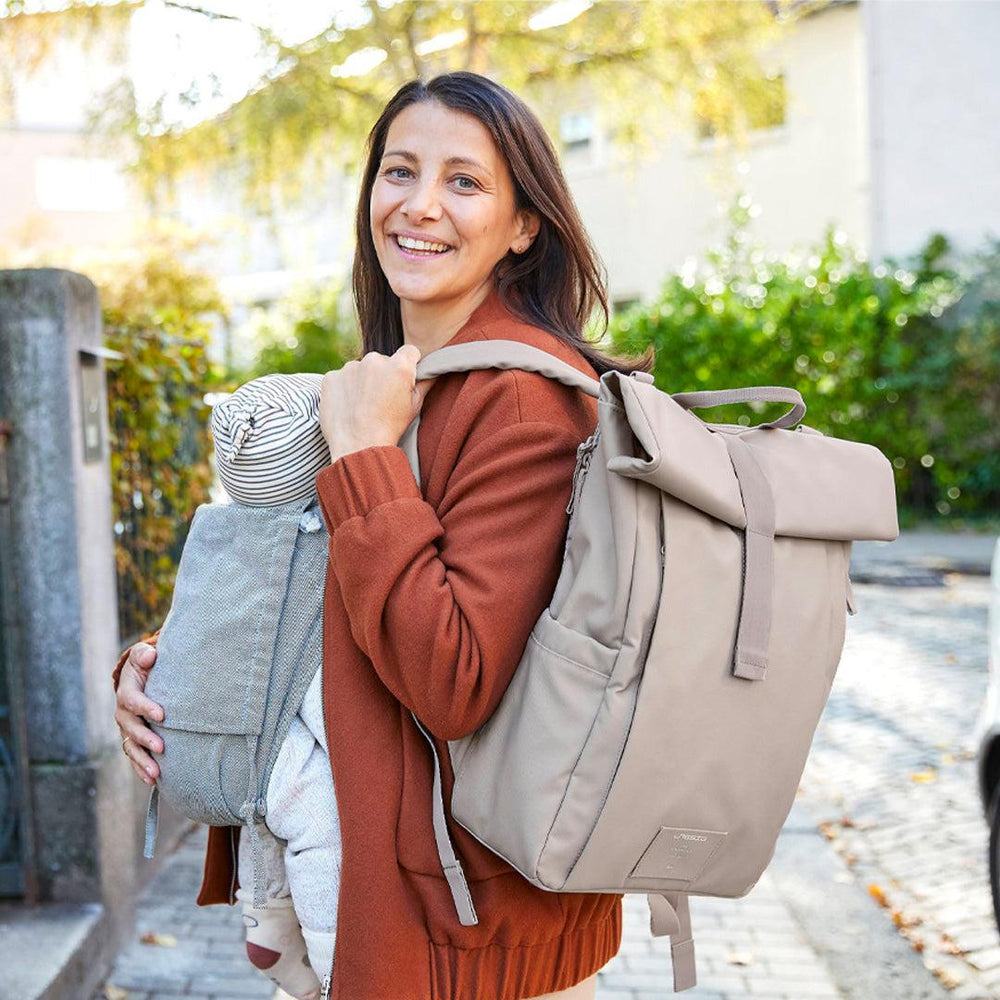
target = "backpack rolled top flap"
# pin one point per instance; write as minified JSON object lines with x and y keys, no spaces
{"x":237,"y":651}
{"x":655,"y":731}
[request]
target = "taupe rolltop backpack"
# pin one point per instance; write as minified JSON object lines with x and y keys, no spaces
{"x":653,"y":736}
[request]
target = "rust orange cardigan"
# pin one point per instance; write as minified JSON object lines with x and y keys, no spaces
{"x":429,"y":602}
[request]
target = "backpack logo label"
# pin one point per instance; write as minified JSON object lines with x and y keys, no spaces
{"x":678,"y":854}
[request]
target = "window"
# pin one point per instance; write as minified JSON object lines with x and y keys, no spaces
{"x":78,"y":184}
{"x":623,"y":304}
{"x":576,"y":130}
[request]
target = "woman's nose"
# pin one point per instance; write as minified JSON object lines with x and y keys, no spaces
{"x":422,"y":201}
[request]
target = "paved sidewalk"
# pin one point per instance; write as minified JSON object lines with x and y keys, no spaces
{"x":753,"y":948}
{"x":889,"y":779}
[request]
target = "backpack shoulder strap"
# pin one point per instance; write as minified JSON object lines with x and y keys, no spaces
{"x":480,"y":354}
{"x":504,"y":354}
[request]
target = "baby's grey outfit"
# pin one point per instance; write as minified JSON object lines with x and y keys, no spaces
{"x":301,"y":856}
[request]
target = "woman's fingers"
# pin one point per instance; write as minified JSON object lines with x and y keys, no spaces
{"x":143,"y":765}
{"x":132,"y":683}
{"x":140,"y":740}
{"x":134,"y":708}
{"x":135,"y":728}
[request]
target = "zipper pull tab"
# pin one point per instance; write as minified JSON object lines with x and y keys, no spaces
{"x":327,"y":985}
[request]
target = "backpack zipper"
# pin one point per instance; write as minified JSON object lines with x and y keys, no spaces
{"x":584,"y":453}
{"x":327,"y":981}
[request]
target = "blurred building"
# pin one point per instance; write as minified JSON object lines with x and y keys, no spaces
{"x":883,"y":124}
{"x":888,"y":131}
{"x":60,"y":187}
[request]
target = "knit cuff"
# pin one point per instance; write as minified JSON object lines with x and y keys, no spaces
{"x":359,"y":482}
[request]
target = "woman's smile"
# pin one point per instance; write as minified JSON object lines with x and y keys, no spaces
{"x":418,"y":248}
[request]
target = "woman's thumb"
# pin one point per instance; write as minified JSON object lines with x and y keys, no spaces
{"x":420,"y":390}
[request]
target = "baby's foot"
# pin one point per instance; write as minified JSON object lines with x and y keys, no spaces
{"x":275,"y":946}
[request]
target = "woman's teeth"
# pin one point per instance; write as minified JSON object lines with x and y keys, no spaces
{"x":421,"y":246}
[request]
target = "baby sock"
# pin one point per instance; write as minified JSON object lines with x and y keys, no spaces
{"x":275,"y":946}
{"x":320,"y":945}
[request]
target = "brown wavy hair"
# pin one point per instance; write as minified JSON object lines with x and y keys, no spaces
{"x":556,"y":285}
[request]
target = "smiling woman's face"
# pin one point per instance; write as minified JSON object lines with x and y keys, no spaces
{"x":443,"y":182}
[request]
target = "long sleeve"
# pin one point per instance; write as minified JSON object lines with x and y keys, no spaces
{"x":442,"y":601}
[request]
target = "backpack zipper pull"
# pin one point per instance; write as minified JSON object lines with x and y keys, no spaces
{"x":327,"y":983}
{"x":584,"y":453}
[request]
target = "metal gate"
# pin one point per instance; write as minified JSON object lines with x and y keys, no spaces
{"x":16,"y":844}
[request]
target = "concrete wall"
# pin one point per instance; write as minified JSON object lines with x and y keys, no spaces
{"x":934,"y":87}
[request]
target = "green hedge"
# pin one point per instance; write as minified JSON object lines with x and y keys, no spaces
{"x":157,"y":313}
{"x":903,"y":356}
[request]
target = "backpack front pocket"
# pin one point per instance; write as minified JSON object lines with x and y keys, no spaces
{"x":513,"y":773}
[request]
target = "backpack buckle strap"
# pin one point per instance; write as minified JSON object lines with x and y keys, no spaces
{"x":669,"y":913}
{"x":450,"y":865}
{"x":754,"y":630}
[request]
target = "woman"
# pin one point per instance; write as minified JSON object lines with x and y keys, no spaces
{"x":465,"y":231}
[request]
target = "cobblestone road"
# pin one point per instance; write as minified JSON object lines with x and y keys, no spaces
{"x":893,"y":771}
{"x":891,"y":780}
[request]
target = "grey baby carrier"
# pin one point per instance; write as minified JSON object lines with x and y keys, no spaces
{"x":654,"y":733}
{"x":244,"y":635}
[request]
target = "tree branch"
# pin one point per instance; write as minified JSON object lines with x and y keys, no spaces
{"x":411,"y":44}
{"x":212,"y":15}
{"x":379,"y":24}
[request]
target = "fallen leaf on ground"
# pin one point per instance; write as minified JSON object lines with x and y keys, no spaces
{"x":740,"y":957}
{"x":112,"y":992}
{"x":160,"y":940}
{"x":922,"y":777}
{"x":948,"y":978}
{"x":828,"y":829}
{"x":877,"y":894}
{"x":903,"y":920}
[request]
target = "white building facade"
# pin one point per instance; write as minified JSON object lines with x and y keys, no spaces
{"x":889,"y":131}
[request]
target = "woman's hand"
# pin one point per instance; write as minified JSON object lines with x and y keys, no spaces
{"x":371,"y":401}
{"x":133,"y":710}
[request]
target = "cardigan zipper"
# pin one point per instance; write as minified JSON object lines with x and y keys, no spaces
{"x":328,"y":978}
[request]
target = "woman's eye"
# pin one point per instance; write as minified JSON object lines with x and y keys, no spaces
{"x":392,"y":170}
{"x":472,"y":185}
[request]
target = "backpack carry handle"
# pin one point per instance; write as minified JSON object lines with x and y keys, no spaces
{"x":752,"y":394}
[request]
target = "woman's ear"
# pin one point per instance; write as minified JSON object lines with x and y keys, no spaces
{"x":529,"y":224}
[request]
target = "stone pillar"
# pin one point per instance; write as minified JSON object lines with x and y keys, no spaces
{"x":87,"y":805}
